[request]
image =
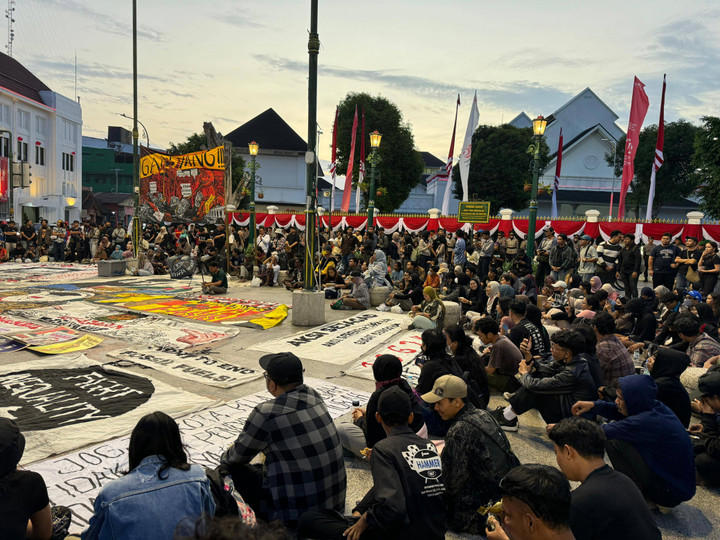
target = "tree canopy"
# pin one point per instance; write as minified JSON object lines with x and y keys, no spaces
{"x":399,"y":168}
{"x":706,"y":162}
{"x":500,"y":165}
{"x":675,"y":179}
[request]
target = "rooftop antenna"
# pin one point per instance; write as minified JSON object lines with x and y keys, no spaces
{"x":10,"y":16}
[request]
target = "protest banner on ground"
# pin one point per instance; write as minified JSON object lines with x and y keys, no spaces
{"x":406,"y":347}
{"x":196,"y":366}
{"x":12,"y":324}
{"x":341,"y":341}
{"x":133,"y":327}
{"x":80,"y":344}
{"x":8,"y":345}
{"x":33,"y":296}
{"x":24,"y":273}
{"x":74,"y":479}
{"x":51,"y":398}
{"x":235,"y":311}
{"x":44,"y":336}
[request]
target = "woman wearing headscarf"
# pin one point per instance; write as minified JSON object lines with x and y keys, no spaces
{"x":474,"y":299}
{"x":430,"y":314}
{"x":407,"y":295}
{"x":492,"y":290}
{"x":595,"y":284}
{"x":375,"y":276}
{"x":432,"y":279}
{"x":365,"y":431}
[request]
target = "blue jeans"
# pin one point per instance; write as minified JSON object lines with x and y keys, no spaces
{"x":58,"y":252}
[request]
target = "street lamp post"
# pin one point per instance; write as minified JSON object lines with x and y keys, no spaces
{"x":311,"y":154}
{"x":375,"y":138}
{"x":147,"y":137}
{"x":136,"y":157}
{"x":539,"y":125}
{"x":253,"y":147}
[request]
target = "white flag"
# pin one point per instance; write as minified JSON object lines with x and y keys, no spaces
{"x":464,"y":163}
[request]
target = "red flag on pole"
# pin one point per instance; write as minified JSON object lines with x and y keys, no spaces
{"x":333,"y":164}
{"x":448,"y":166}
{"x":659,"y":158}
{"x":361,"y":165}
{"x":348,"y":175}
{"x":638,"y":110}
{"x":558,"y":169}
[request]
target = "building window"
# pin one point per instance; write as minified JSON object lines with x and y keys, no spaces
{"x":41,"y":125}
{"x":23,"y":120}
{"x":39,"y":155}
{"x":5,"y":115}
{"x":4,"y":146}
{"x":68,"y":162}
{"x":22,"y":151}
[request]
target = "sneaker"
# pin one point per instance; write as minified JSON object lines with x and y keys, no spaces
{"x":396,"y":309}
{"x":504,"y":423}
{"x":383,"y":307}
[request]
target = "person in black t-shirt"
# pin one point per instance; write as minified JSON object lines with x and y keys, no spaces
{"x":661,"y":263}
{"x":708,"y":268}
{"x":24,"y":503}
{"x":524,"y":329}
{"x":607,"y":504}
{"x":687,"y":259}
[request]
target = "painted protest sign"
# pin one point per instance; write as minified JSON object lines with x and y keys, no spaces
{"x":216,"y":310}
{"x":8,"y":345}
{"x":340,"y":341}
{"x":195,"y":366}
{"x":22,"y":273}
{"x":44,"y":336}
{"x":406,"y":347}
{"x":50,"y":398}
{"x":73,"y":480}
{"x":80,"y":344}
{"x":133,"y":327}
{"x":11,"y":324}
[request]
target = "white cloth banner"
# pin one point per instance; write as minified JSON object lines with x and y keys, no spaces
{"x":13,"y":324}
{"x":341,"y":341}
{"x":406,"y":347}
{"x":74,"y":480}
{"x":67,"y":402}
{"x":194,"y":366}
{"x":465,"y":155}
{"x":134,"y":327}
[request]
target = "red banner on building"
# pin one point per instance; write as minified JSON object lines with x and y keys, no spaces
{"x":4,"y":179}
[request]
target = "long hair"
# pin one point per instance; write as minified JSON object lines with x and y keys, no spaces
{"x":457,"y":334}
{"x":157,"y":434}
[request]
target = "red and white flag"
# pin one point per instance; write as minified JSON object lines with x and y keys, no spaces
{"x":361,"y":166}
{"x":638,"y":110}
{"x":466,"y":154}
{"x":659,"y":158}
{"x":558,"y":168}
{"x":445,"y":210}
{"x":348,"y":175}
{"x":333,"y":165}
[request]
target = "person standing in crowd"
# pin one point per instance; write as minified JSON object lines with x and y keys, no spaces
{"x":646,"y":441}
{"x":687,"y":262}
{"x":543,"y":255}
{"x":587,"y":257}
{"x":476,"y":456}
{"x":12,"y":238}
{"x":460,"y":249}
{"x":608,"y":252}
{"x":28,"y":235}
{"x":561,"y":258}
{"x":662,"y":262}
{"x":408,"y":485}
{"x":628,"y":266}
{"x":708,"y":268}
{"x":304,"y":468}
{"x":607,"y":504}
{"x":536,"y":505}
{"x":161,"y":489}
{"x":646,"y":251}
{"x":58,"y":238}
{"x":486,"y":249}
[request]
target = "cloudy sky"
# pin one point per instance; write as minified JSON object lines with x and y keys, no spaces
{"x":228,"y":60}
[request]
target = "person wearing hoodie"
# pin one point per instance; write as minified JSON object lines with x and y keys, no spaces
{"x":706,"y":435}
{"x":666,"y":366}
{"x":646,"y":441}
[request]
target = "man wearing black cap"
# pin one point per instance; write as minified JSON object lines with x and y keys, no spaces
{"x":706,"y":435}
{"x":24,"y":503}
{"x":406,"y":498}
{"x":543,"y":255}
{"x":304,"y":466}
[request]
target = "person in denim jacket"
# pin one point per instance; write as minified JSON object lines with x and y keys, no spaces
{"x":161,"y":490}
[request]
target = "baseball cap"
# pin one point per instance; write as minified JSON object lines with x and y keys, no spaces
{"x":559,"y":283}
{"x":447,"y":386}
{"x":282,"y":368}
{"x":586,"y":237}
{"x":709,"y":383}
{"x":394,"y":401}
{"x":695,"y":295}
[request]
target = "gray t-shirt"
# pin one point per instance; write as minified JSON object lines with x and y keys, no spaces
{"x":361,"y":293}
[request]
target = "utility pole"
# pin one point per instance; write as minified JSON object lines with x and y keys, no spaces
{"x":311,"y":154}
{"x":136,"y":233}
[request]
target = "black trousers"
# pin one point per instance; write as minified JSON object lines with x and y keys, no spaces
{"x":630,"y":284}
{"x":543,"y":269}
{"x":664,"y":278}
{"x":708,"y":469}
{"x":626,"y":459}
{"x":248,"y":480}
{"x":328,"y":525}
{"x":547,"y":404}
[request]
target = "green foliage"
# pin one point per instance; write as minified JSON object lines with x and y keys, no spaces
{"x":500,"y":165}
{"x":706,"y":162}
{"x":674,"y":180}
{"x":399,"y":166}
{"x":194,"y":143}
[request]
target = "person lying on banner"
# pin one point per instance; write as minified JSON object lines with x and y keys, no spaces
{"x":219,"y":283}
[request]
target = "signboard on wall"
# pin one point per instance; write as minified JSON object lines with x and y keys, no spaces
{"x":474,"y":212}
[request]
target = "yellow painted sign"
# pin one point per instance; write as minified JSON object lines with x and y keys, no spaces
{"x":474,"y":212}
{"x":83,"y":343}
{"x":208,"y":159}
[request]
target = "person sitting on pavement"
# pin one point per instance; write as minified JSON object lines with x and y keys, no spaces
{"x":706,"y":435}
{"x":666,"y":366}
{"x":405,"y":500}
{"x":646,"y":441}
{"x":365,"y":431}
{"x":160,"y":491}
{"x":376,"y":275}
{"x":551,"y":388}
{"x":304,"y":466}
{"x":607,"y":504}
{"x":218,"y":283}
{"x":615,"y":359}
{"x":359,"y":296}
{"x":524,"y":329}
{"x":430,"y":314}
{"x":460,"y":346}
{"x":504,"y":357}
{"x":476,"y":456}
{"x":701,"y":347}
{"x":535,"y":505}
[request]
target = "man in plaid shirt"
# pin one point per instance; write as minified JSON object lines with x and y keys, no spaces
{"x":614,"y":358}
{"x":304,"y":466}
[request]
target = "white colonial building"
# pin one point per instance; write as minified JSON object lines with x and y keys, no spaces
{"x":41,"y":133}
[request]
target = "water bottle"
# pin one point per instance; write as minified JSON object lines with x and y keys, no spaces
{"x":636,"y":358}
